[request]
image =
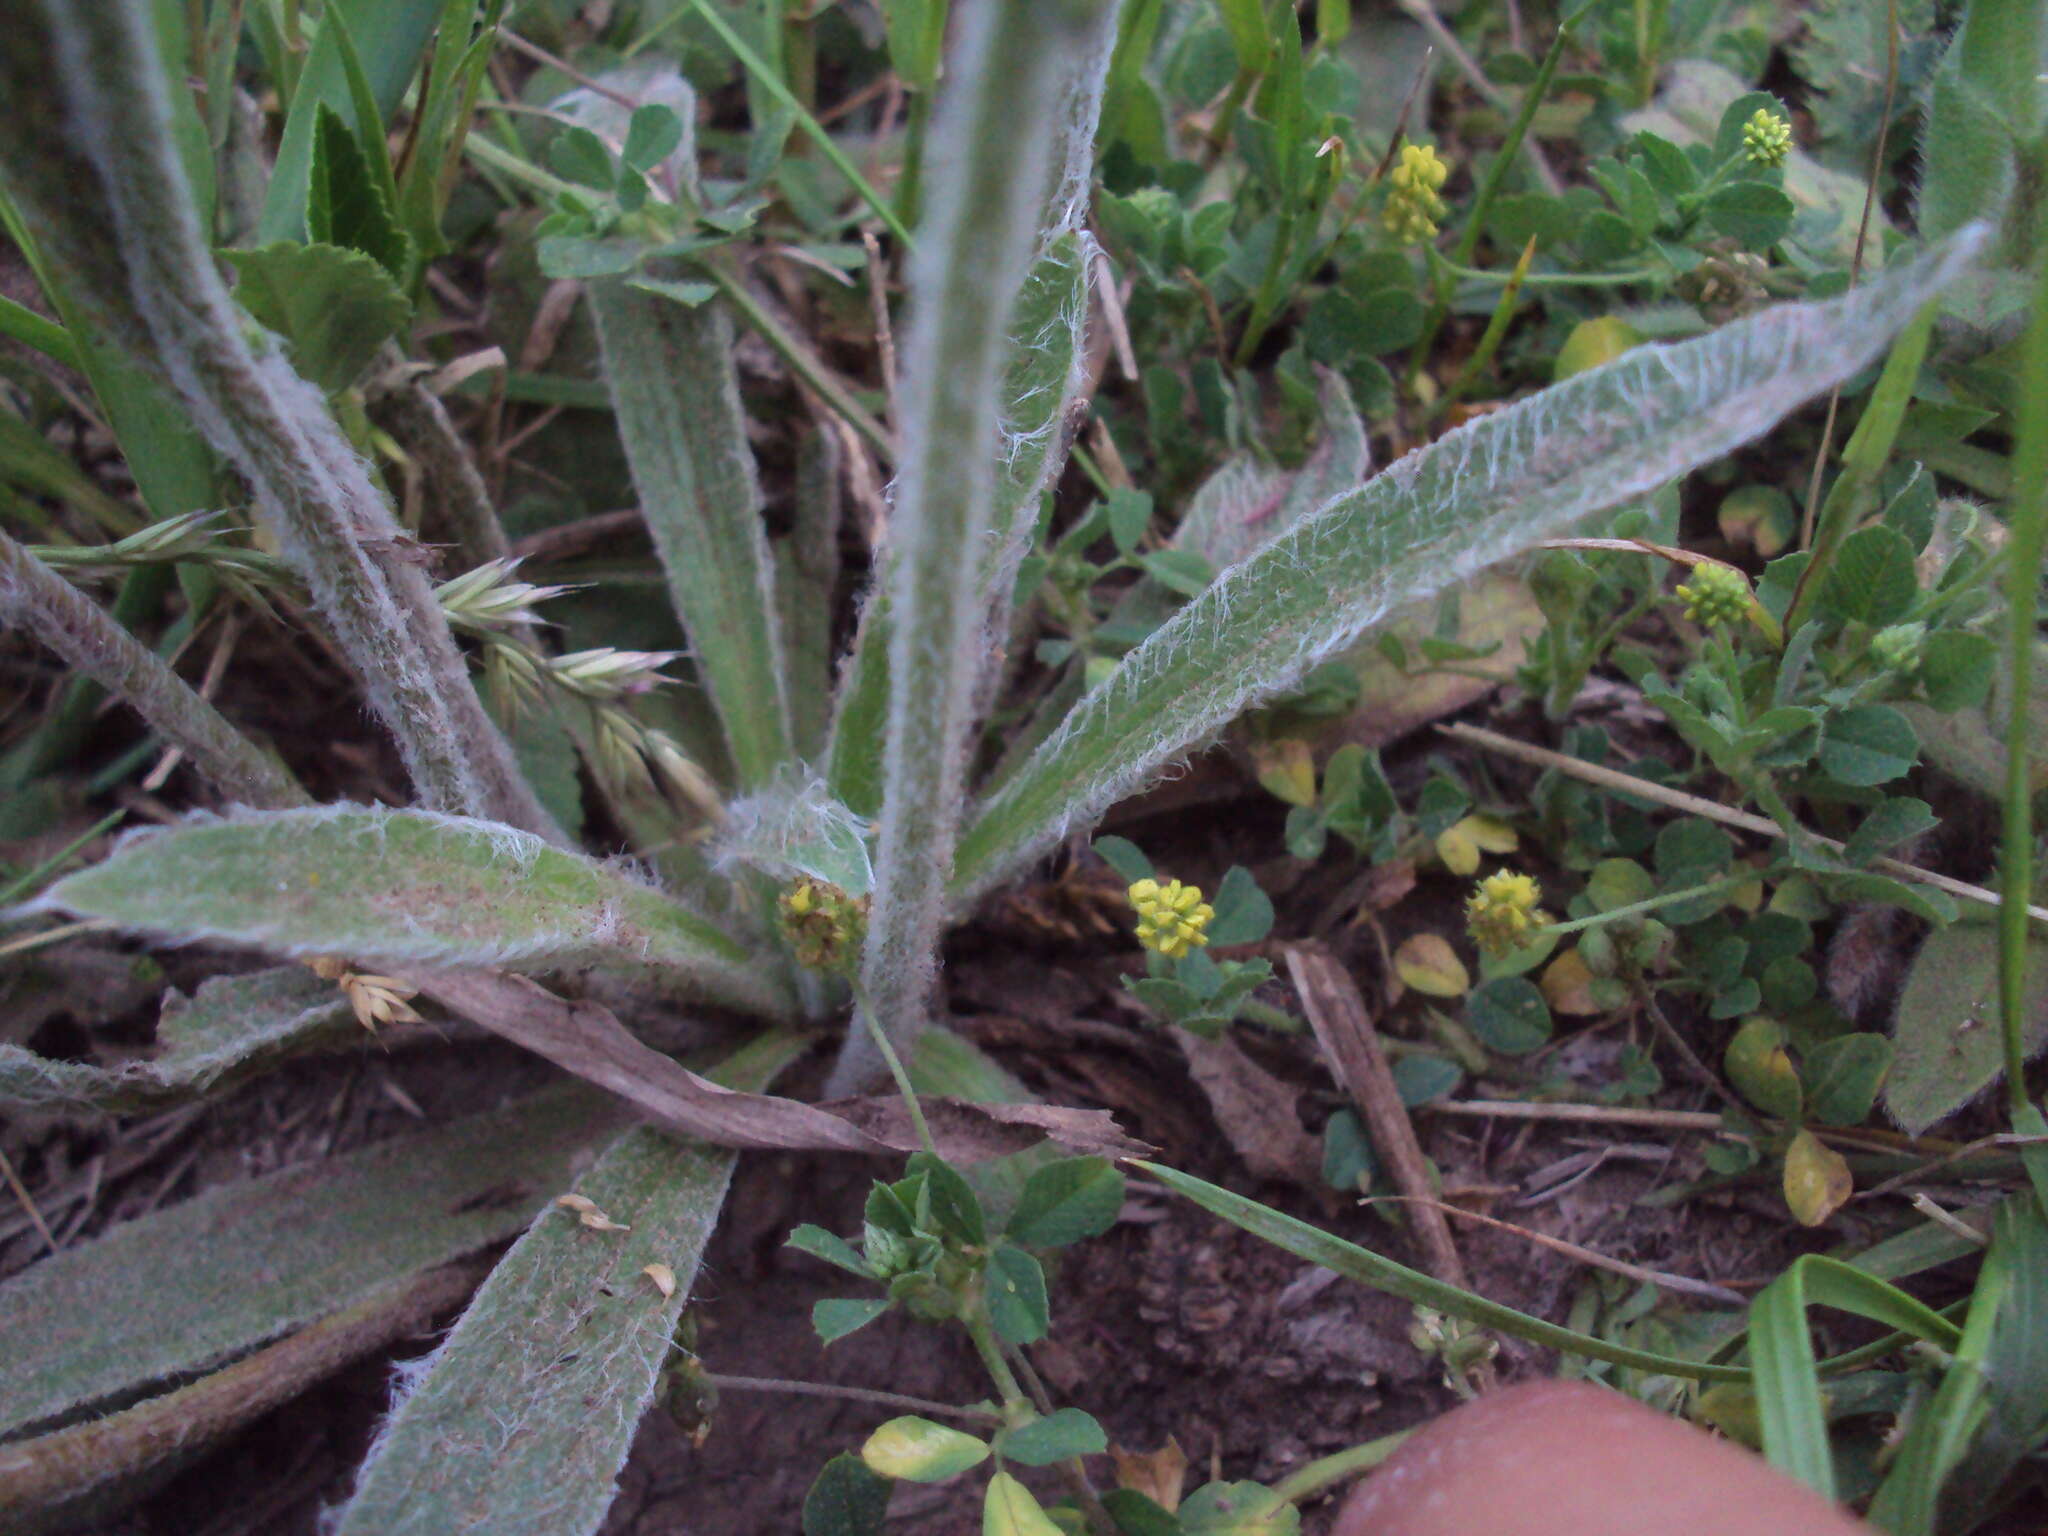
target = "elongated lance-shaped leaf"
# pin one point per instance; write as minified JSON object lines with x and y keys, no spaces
{"x":408,"y":887}
{"x":1042,"y":375}
{"x":230,"y":1028}
{"x":1478,"y":495}
{"x":87,"y":152}
{"x":520,"y":1421}
{"x":36,"y":599}
{"x":389,"y":36}
{"x":996,"y":122}
{"x":670,"y":370}
{"x":194,"y":1284}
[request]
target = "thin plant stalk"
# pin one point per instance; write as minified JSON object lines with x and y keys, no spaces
{"x":986,"y":198}
{"x":2028,"y":521}
{"x":38,"y":600}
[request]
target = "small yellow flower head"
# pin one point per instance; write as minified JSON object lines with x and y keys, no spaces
{"x":1413,"y":206}
{"x":824,"y":925}
{"x":1717,"y":594}
{"x":1502,"y":911}
{"x":1171,"y":917}
{"x":1766,"y":138}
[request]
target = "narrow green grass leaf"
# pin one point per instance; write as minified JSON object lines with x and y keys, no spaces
{"x":670,"y":368}
{"x":229,"y":1029}
{"x":1908,"y":1501}
{"x":406,"y":886}
{"x":1382,"y":1274}
{"x":195,"y":1284}
{"x":520,"y":1421}
{"x":1788,"y":1400}
{"x":1477,"y":496}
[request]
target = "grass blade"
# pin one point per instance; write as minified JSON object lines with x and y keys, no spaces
{"x":523,"y":1417}
{"x":187,"y":1287}
{"x":406,"y":887}
{"x":969,"y":268}
{"x":1835,"y":1284}
{"x":1480,"y":494}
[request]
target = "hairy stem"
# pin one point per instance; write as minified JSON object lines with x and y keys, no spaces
{"x":38,"y":600}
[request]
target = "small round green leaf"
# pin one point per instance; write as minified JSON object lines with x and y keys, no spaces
{"x":1509,"y":1014}
{"x":1842,"y":1077}
{"x":1055,"y":1437}
{"x":837,"y":1316}
{"x":1016,"y":1295}
{"x":846,"y":1500}
{"x":1868,"y":745}
{"x":920,"y":1451}
{"x":1761,"y":1069}
{"x":1066,"y":1201}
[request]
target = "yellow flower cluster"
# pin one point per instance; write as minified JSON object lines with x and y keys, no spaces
{"x":1717,"y":594}
{"x":824,"y":925}
{"x":1413,"y":206}
{"x":1503,"y":911}
{"x":1766,"y":138}
{"x":1171,"y":917}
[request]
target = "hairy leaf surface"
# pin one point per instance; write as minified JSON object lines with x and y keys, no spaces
{"x":1478,"y":495}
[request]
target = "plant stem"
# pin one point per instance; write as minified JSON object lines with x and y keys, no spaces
{"x":38,"y":600}
{"x":1306,"y":1482}
{"x":2027,"y":518}
{"x":1635,"y":908}
{"x":1489,"y":342}
{"x":894,"y":1062}
{"x":1016,"y":1404}
{"x":802,"y":361}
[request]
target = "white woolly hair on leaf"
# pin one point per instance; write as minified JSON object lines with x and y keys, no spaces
{"x":993,"y":155}
{"x":795,"y":827}
{"x":1480,"y":494}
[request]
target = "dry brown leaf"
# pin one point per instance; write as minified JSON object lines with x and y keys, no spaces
{"x":1159,"y":1475}
{"x":1255,"y":1109}
{"x":587,"y":1039}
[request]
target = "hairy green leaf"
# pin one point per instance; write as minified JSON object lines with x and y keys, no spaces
{"x":186,"y":1287}
{"x":1946,"y":1038}
{"x":230,"y":1028}
{"x":334,"y":307}
{"x":1478,"y":495}
{"x":399,"y":886}
{"x":676,"y":395}
{"x":522,"y":1418}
